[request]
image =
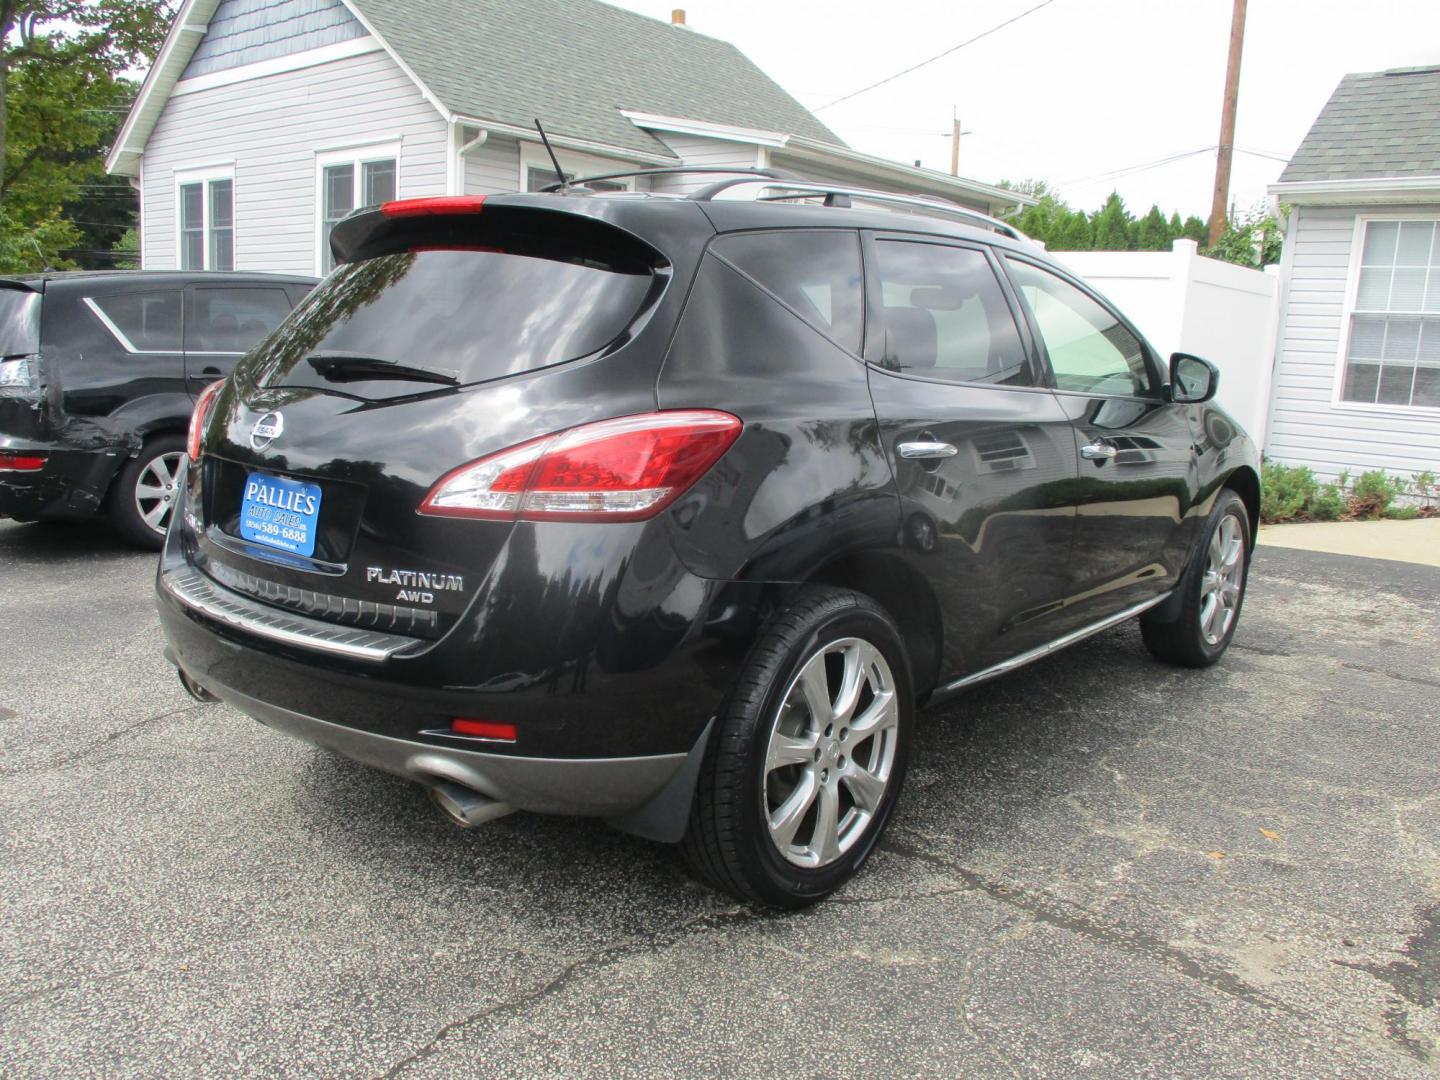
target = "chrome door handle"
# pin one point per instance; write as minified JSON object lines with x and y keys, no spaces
{"x":922,"y":451}
{"x":1098,"y":451}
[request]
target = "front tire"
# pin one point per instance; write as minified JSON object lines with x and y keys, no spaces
{"x":1213,"y":587}
{"x":146,"y":491}
{"x":807,"y":758}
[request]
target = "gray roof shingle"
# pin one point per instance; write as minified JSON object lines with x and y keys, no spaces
{"x":1376,"y":124}
{"x":577,"y":63}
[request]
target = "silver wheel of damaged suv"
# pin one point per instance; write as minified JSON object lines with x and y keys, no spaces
{"x":157,"y":487}
{"x":145,"y":492}
{"x":830,"y":753}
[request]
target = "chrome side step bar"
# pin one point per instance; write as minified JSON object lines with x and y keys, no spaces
{"x":1004,"y":667}
{"x":198,"y":593}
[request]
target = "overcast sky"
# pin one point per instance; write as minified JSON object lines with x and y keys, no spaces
{"x":1078,"y":91}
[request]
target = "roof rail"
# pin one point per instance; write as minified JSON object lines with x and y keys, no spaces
{"x":670,"y":170}
{"x":840,"y":196}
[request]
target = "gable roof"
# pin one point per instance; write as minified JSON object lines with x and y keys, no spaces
{"x":1376,"y":125}
{"x":576,"y":64}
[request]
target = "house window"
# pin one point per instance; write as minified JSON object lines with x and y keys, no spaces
{"x":1392,"y":354}
{"x":536,"y":179}
{"x":207,"y":221}
{"x":350,"y":180}
{"x":538,"y":171}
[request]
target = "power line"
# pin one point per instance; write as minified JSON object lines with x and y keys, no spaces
{"x":1262,"y":154}
{"x":937,"y":56}
{"x":1130,"y":170}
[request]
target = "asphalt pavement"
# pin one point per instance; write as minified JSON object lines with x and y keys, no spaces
{"x":1100,"y":867}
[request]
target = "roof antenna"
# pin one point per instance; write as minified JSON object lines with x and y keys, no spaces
{"x":559,"y":172}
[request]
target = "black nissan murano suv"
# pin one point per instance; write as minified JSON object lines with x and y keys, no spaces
{"x":672,"y":511}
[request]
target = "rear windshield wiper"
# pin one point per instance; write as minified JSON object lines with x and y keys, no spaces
{"x":356,"y":367}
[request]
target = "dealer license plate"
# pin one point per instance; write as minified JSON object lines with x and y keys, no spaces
{"x":280,"y":513}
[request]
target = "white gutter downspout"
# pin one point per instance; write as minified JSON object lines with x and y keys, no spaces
{"x":457,"y":179}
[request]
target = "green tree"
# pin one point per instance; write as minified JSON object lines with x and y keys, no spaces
{"x":63,"y":92}
{"x":1195,"y":229}
{"x":1113,"y":227}
{"x":1073,"y":233}
{"x":1250,"y":239}
{"x":1153,"y":232}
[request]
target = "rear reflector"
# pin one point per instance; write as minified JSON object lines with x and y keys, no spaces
{"x":21,"y":463}
{"x":626,"y":469}
{"x":483,"y":729}
{"x":437,"y":205}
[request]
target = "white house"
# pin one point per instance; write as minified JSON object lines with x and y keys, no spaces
{"x":1357,"y":372}
{"x":263,"y":122}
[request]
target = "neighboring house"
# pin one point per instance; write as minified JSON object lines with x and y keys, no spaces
{"x":1357,"y":371}
{"x":263,"y":122}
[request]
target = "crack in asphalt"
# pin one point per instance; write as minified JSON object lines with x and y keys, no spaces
{"x":1131,"y":941}
{"x":1416,"y":679}
{"x":593,"y":961}
{"x":100,"y":744}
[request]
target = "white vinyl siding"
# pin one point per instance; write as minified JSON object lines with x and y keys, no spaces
{"x":1310,"y":424}
{"x":493,"y":167}
{"x":273,"y":128}
{"x":698,"y":150}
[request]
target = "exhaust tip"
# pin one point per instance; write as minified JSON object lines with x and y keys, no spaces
{"x":194,"y":689}
{"x":464,"y":807}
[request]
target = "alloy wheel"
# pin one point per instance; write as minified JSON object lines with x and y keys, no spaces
{"x":156,"y":489}
{"x":831,"y":753}
{"x":1224,"y":576}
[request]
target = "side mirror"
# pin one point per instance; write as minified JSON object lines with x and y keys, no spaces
{"x":1192,"y":380}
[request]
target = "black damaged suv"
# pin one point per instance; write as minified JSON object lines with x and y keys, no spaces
{"x":98,"y":376}
{"x":672,"y":511}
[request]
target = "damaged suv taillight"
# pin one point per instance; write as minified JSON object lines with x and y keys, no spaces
{"x":626,"y":469}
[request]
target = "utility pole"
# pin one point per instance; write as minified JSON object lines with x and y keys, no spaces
{"x":955,"y":134}
{"x":1226,"y":149}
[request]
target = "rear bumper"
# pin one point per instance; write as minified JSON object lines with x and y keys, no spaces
{"x":71,"y":484}
{"x":594,"y":787}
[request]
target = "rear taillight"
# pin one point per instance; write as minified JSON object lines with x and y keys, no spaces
{"x":626,"y":469}
{"x":203,"y":404}
{"x":438,"y":204}
{"x":21,"y":462}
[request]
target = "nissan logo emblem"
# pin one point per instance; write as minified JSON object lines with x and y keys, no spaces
{"x":266,"y":430}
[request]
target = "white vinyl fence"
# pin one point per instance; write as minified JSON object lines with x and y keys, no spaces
{"x":1185,"y":303}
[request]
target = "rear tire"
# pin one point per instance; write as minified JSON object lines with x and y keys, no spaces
{"x":1213,"y":590}
{"x":146,"y":491}
{"x":807,"y":757}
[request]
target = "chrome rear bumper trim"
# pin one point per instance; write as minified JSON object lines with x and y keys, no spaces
{"x":198,"y":593}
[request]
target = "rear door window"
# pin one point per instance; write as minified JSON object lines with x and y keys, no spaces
{"x":814,"y":272}
{"x":232,"y":319}
{"x":500,"y":307}
{"x":141,"y":321}
{"x":945,"y":316}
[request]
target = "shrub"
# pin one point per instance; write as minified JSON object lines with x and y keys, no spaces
{"x":1328,"y":505}
{"x":1373,"y":493}
{"x":1291,"y":493}
{"x":1285,"y":490}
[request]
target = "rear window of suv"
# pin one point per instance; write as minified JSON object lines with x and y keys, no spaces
{"x":482,"y":311}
